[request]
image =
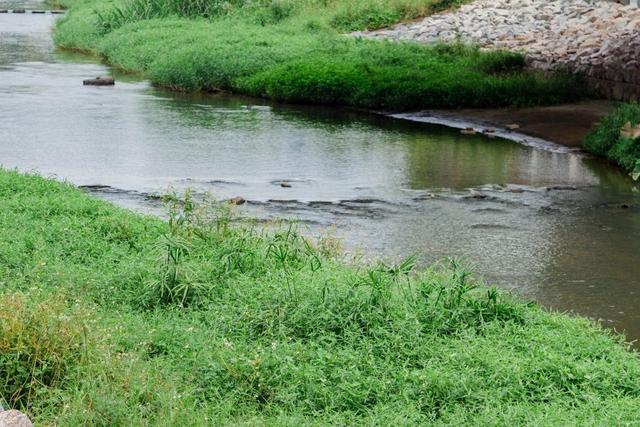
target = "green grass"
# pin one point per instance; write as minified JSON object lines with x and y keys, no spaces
{"x":110,"y":318}
{"x":294,"y":51}
{"x":606,"y":140}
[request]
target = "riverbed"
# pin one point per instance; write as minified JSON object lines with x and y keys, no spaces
{"x":550,"y":224}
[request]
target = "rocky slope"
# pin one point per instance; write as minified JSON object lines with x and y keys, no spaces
{"x":597,"y":38}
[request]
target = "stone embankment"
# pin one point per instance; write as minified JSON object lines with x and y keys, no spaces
{"x":599,"y":39}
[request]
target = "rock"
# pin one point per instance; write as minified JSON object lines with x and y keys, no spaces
{"x":237,"y":201}
{"x":14,"y":418}
{"x":512,"y":126}
{"x":99,"y":81}
{"x":19,"y":11}
{"x":562,"y":187}
{"x":4,"y":11}
{"x":468,"y":131}
{"x":479,"y":196}
{"x":629,"y":131}
{"x":285,"y":185}
{"x":489,"y":130}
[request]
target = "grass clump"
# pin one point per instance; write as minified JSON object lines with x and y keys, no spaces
{"x":200,"y":320}
{"x":41,"y":340}
{"x":607,"y":141}
{"x":295,"y":51}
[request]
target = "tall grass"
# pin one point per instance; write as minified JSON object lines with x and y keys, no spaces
{"x":280,"y":329}
{"x":41,"y":339}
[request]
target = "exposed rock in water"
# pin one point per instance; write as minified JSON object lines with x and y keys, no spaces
{"x":99,"y":81}
{"x":237,"y":201}
{"x":562,"y":188}
{"x":14,"y":418}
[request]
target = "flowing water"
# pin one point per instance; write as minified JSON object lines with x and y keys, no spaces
{"x":549,"y":224}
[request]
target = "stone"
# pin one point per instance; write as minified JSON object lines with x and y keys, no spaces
{"x":99,"y":81}
{"x":479,"y":196}
{"x":512,"y":126}
{"x":468,"y":131}
{"x":237,"y":201}
{"x":629,"y":131}
{"x":14,"y":418}
{"x":285,"y":185}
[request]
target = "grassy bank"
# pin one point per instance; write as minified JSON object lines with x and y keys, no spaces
{"x":294,"y":51}
{"x":606,"y":140}
{"x":110,"y":318}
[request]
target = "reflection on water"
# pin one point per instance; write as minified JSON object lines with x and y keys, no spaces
{"x":557,"y":227}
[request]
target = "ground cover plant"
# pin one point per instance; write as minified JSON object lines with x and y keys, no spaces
{"x":608,"y":139}
{"x":111,"y":318}
{"x":296,"y":51}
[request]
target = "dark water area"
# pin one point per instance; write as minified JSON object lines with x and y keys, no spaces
{"x":551,"y":225}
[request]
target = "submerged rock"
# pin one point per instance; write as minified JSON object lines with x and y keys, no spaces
{"x":99,"y":81}
{"x":14,"y":418}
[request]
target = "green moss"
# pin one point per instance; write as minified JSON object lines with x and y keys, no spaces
{"x":606,"y":141}
{"x":293,"y":51}
{"x":197,"y":321}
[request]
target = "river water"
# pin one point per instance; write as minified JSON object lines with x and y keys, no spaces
{"x":551,"y":225}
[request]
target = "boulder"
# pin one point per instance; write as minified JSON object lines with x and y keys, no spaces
{"x":99,"y":81}
{"x":14,"y":418}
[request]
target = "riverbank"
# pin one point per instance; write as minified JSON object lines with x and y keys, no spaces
{"x":127,"y":320}
{"x":295,"y":52}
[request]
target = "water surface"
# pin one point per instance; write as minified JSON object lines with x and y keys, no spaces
{"x":557,"y":227}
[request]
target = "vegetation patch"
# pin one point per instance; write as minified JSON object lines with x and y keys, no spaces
{"x":616,"y":137}
{"x":295,"y":51}
{"x":111,"y":318}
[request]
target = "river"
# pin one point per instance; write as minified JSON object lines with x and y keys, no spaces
{"x":550,"y":225}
